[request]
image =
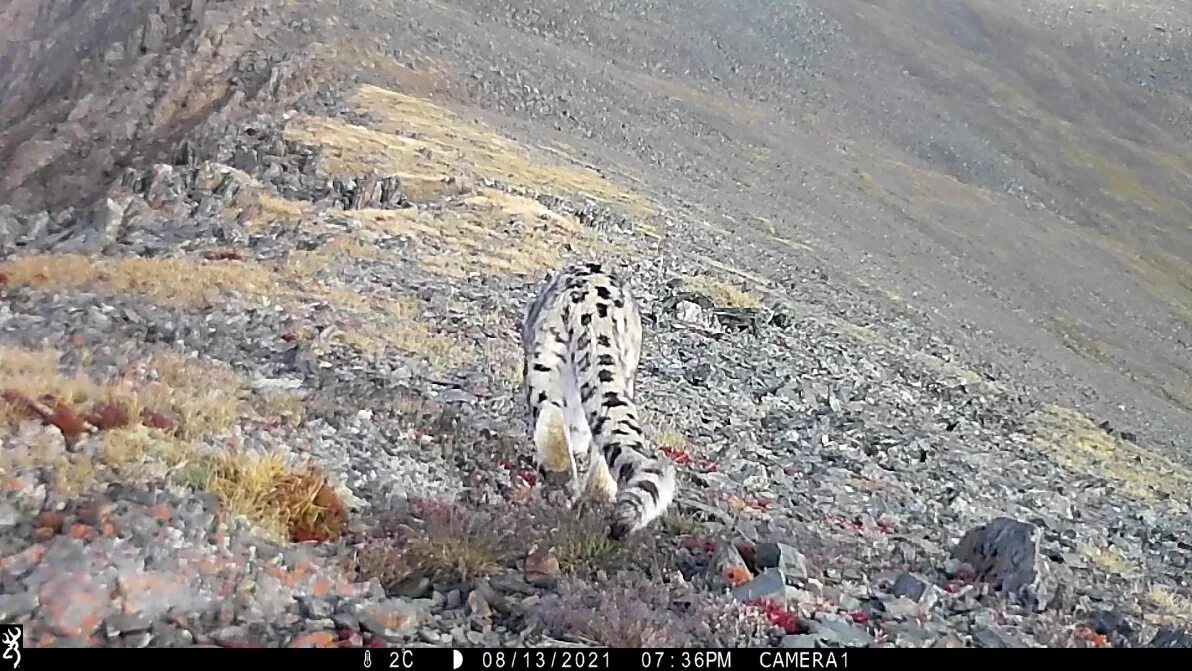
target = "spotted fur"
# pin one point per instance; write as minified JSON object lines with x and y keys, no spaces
{"x":582,"y":338}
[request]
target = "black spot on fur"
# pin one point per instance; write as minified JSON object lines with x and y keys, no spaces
{"x":605,"y":360}
{"x":542,"y":368}
{"x":611,"y":454}
{"x":653,"y":470}
{"x":602,"y":310}
{"x":594,"y":268}
{"x":651,"y":489}
{"x":606,"y":375}
{"x":598,"y":427}
{"x":577,"y":297}
{"x":585,"y":318}
{"x":541,"y":396}
{"x":625,"y":472}
{"x":603,"y":341}
{"x":603,"y":292}
{"x":613,"y":400}
{"x":618,"y":303}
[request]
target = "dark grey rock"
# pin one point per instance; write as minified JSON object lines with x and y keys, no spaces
{"x":985,"y":637}
{"x":787,"y":559}
{"x":799,"y":641}
{"x":908,"y":586}
{"x":770,"y":584}
{"x":698,"y":375}
{"x":416,"y":587}
{"x":123,"y":625}
{"x":843,"y":634}
{"x":316,"y":608}
{"x":347,"y":621}
{"x":1113,"y":625}
{"x":1171,"y":636}
{"x":1006,"y":553}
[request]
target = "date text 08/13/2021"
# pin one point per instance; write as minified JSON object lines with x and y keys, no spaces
{"x":659,"y":660}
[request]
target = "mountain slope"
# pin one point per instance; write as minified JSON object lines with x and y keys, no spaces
{"x":914,"y":280}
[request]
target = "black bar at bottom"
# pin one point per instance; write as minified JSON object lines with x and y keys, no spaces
{"x":567,"y":659}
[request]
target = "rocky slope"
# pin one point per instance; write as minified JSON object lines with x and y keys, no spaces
{"x":260,"y":369}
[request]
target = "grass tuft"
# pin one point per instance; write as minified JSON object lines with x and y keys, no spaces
{"x":722,"y":294}
{"x":439,"y":541}
{"x":286,"y":501}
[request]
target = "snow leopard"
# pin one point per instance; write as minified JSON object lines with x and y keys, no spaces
{"x":582,"y":337}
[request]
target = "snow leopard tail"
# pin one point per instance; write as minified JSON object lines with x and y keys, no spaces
{"x":605,"y":331}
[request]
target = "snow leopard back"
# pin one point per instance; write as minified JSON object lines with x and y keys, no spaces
{"x":582,"y":340}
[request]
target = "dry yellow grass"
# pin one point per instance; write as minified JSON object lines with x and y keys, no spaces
{"x":191,"y":399}
{"x":442,"y":158}
{"x":256,"y":207}
{"x":200,"y":398}
{"x":285,"y":500}
{"x":1109,"y":559}
{"x":376,"y":320}
{"x":751,"y":277}
{"x":395,"y":323}
{"x":1170,"y":607}
{"x":1077,"y":443}
{"x":721,"y":293}
{"x":505,"y":360}
{"x":859,"y":332}
{"x":488,"y":232}
{"x":417,"y":140}
{"x":198,"y":401}
{"x":951,"y":370}
{"x":719,"y":105}
{"x":797,"y":246}
{"x":669,"y":438}
{"x":170,"y":281}
{"x":1074,"y":332}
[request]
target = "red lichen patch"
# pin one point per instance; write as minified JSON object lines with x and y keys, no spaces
{"x":108,"y":416}
{"x":677,"y":455}
{"x":223,"y":255}
{"x":156,"y":420}
{"x":102,"y":416}
{"x":79,"y":531}
{"x":320,"y":518}
{"x":22,"y":404}
{"x":67,"y":421}
{"x":50,"y":519}
{"x":778,"y":615}
{"x":1085,"y":637}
